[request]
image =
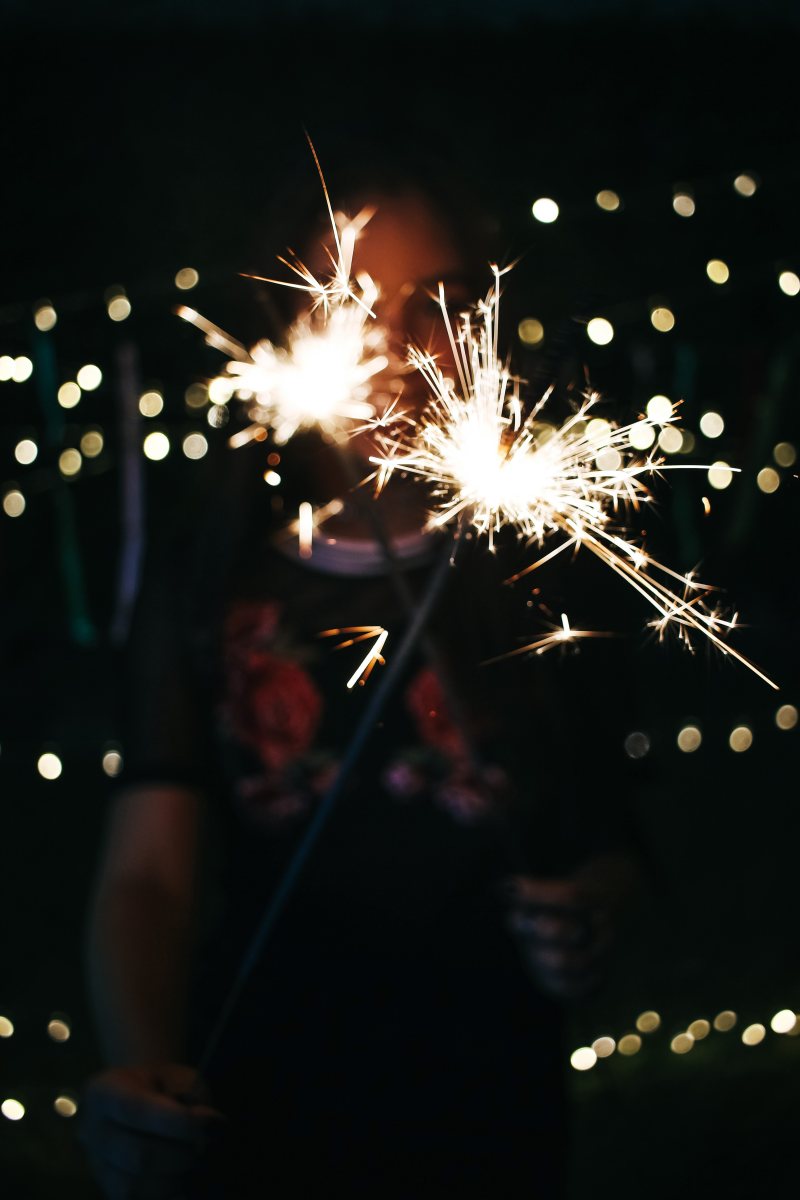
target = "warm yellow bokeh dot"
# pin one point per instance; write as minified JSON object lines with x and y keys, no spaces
{"x":604,"y":1047}
{"x":65,"y":1106}
{"x":272,"y":478}
{"x":789,"y":283}
{"x":6,"y":367}
{"x":768,"y":480}
{"x":13,"y":1110}
{"x":13,"y":503}
{"x":89,"y":377}
{"x":6,"y":1028}
{"x":49,"y":766}
{"x":545,"y":210}
{"x":608,"y":459}
{"x":530,"y":331}
{"x":195,"y":446}
{"x":156,"y":446}
{"x":648,"y":1021}
{"x":689,"y":739}
{"x":45,"y":317}
{"x":151,"y":403}
{"x":112,"y":762}
{"x":58,"y":1029}
{"x":186,"y":279}
{"x":683,"y":204}
{"x":22,"y":369}
{"x":745,"y":185}
{"x":711,"y":425}
{"x":717,"y":270}
{"x":786,"y":716}
{"x":671,"y":440}
{"x":630,"y":1044}
{"x":662,"y":319}
{"x":70,"y":462}
{"x":720,"y":475}
{"x":119,"y":308}
{"x":600,"y":331}
{"x":741,"y":739}
{"x":25,"y":452}
{"x":92,"y":443}
{"x":783,"y":1021}
{"x":785,"y":454}
{"x":725,"y":1020}
{"x":69,"y":394}
{"x":642,"y":435}
{"x":659,"y":409}
{"x":583,"y":1058}
{"x":682,"y":1043}
{"x":196,"y":395}
{"x":754,"y":1034}
{"x":608,"y":200}
{"x":699,"y":1029}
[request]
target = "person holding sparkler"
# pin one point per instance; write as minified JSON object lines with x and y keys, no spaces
{"x":400,"y":1036}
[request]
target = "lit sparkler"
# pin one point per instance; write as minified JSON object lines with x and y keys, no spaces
{"x":492,"y":466}
{"x":323,"y":377}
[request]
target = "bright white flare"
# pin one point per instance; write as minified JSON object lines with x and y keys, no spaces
{"x":490,"y":466}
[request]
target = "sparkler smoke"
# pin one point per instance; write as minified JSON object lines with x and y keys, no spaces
{"x":490,"y":464}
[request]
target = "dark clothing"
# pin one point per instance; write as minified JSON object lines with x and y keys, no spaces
{"x":389,"y":1041}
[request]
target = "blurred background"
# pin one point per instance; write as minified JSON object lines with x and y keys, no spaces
{"x":642,"y":162}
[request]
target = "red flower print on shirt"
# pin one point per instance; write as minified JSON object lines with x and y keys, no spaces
{"x":273,"y":707}
{"x":426,"y":702}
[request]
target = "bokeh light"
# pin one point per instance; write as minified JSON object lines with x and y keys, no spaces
{"x":720,"y":475}
{"x":717,"y":270}
{"x":768,"y":480}
{"x":683,"y":204}
{"x":112,"y":763}
{"x":89,"y":377}
{"x":783,"y":1021}
{"x":789,"y":283}
{"x":753,"y":1034}
{"x":58,"y":1029}
{"x":25,"y":452}
{"x":659,"y":409}
{"x":670,"y":440}
{"x":682,"y":1043}
{"x":628,"y":1045}
{"x":741,"y":739}
{"x":662,"y":319}
{"x":13,"y":503}
{"x":600,"y":331}
{"x":186,"y":278}
{"x":45,"y":317}
{"x":699,"y":1029}
{"x":712,"y":425}
{"x":786,"y":717}
{"x":151,"y":403}
{"x":785,"y":454}
{"x":49,"y":766}
{"x":65,"y":1106}
{"x":689,"y":739}
{"x":583,"y":1058}
{"x":70,"y":462}
{"x":637,"y":744}
{"x":545,"y":210}
{"x":642,"y":435}
{"x":22,"y":369}
{"x":195,"y":446}
{"x":530,"y":331}
{"x":745,"y":185}
{"x":156,"y":446}
{"x":648,"y":1021}
{"x":604,"y":1047}
{"x":92,"y":443}
{"x":6,"y":1027}
{"x":118,"y":307}
{"x":68,"y":394}
{"x":608,"y":200}
{"x":725,"y":1020}
{"x":13,"y":1110}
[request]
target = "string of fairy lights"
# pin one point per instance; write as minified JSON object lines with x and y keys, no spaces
{"x":211,"y":401}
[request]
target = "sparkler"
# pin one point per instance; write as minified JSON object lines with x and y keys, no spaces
{"x":324,"y":375}
{"x":489,"y":463}
{"x":362,"y":634}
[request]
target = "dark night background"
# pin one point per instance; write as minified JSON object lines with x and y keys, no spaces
{"x":138,"y":142}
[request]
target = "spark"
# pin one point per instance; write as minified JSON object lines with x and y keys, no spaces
{"x":558,"y":635}
{"x":305,"y":530}
{"x":363,"y":633}
{"x":491,"y":465}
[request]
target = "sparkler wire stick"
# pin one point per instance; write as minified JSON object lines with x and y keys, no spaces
{"x":291,"y":875}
